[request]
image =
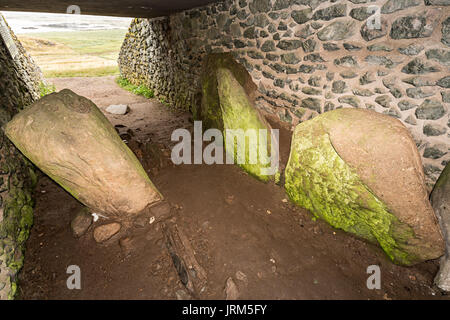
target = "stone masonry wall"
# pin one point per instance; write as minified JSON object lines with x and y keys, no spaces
{"x":19,"y":87}
{"x":309,"y":57}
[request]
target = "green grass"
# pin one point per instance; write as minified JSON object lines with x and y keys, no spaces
{"x":141,"y":90}
{"x":102,"y":43}
{"x":89,"y":72}
{"x":46,"y":89}
{"x":75,"y":54}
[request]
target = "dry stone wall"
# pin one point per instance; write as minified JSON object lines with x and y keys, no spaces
{"x":19,"y":87}
{"x":311,"y":56}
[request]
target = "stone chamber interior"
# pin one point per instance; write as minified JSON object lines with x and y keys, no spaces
{"x":363,"y":116}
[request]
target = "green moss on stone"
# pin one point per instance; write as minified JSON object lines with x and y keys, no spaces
{"x":238,"y":113}
{"x":17,"y":216}
{"x":320,"y":181}
{"x":13,"y":291}
{"x":226,"y":104}
{"x":443,"y":178}
{"x":210,"y":112}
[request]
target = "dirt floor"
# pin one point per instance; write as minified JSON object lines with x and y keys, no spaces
{"x":237,"y":227}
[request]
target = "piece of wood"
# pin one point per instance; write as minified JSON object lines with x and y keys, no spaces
{"x":191,"y":273}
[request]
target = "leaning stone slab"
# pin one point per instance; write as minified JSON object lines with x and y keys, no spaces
{"x":440,"y":199}
{"x":239,"y":114}
{"x":361,"y":172}
{"x":228,"y":104}
{"x":70,"y":139}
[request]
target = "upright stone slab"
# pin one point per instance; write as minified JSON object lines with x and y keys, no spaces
{"x":440,"y":200}
{"x":227,"y":104}
{"x":361,"y":172}
{"x":210,"y":112}
{"x":70,"y":139}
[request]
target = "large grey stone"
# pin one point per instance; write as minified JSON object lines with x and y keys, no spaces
{"x":419,"y":93}
{"x":256,"y":6}
{"x":384,"y":101}
{"x":417,"y":66}
{"x":314,"y":57}
{"x":352,"y":47}
{"x":289,"y":44}
{"x":444,"y":82}
{"x":367,"y":78}
{"x":436,"y":151}
{"x":380,"y":61}
{"x":446,"y":32}
{"x":330,"y":47}
{"x":268,"y":46}
{"x":362,"y":92}
{"x":380,"y":47}
{"x":437,"y":2}
{"x":313,"y":4}
{"x":351,"y":100}
{"x":440,"y":55}
{"x":361,"y":13}
{"x":411,"y":120}
{"x":281,"y":4}
{"x":396,"y":5}
{"x":393,"y":112}
{"x":332,"y":12}
{"x":337,"y":30}
{"x":368,"y":32}
{"x":261,"y":20}
{"x":304,"y":32}
{"x":433,"y":129}
{"x":420,"y":81}
{"x":290,"y":58}
{"x":430,"y":109}
{"x":446,"y":97}
{"x":406,"y":105}
{"x":348,"y":74}
{"x":339,"y":86}
{"x":311,"y":91}
{"x":411,"y":50}
{"x":346,"y":61}
{"x":414,"y":26}
{"x":312,"y":104}
{"x":301,"y":16}
{"x":309,"y":45}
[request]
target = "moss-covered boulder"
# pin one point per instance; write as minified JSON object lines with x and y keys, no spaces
{"x":70,"y":139}
{"x":228,"y":104}
{"x":361,"y":172}
{"x":440,"y":200}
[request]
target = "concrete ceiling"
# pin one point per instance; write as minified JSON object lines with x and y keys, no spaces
{"x":120,"y":8}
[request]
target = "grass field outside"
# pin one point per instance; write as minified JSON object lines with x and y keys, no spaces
{"x":75,"y":53}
